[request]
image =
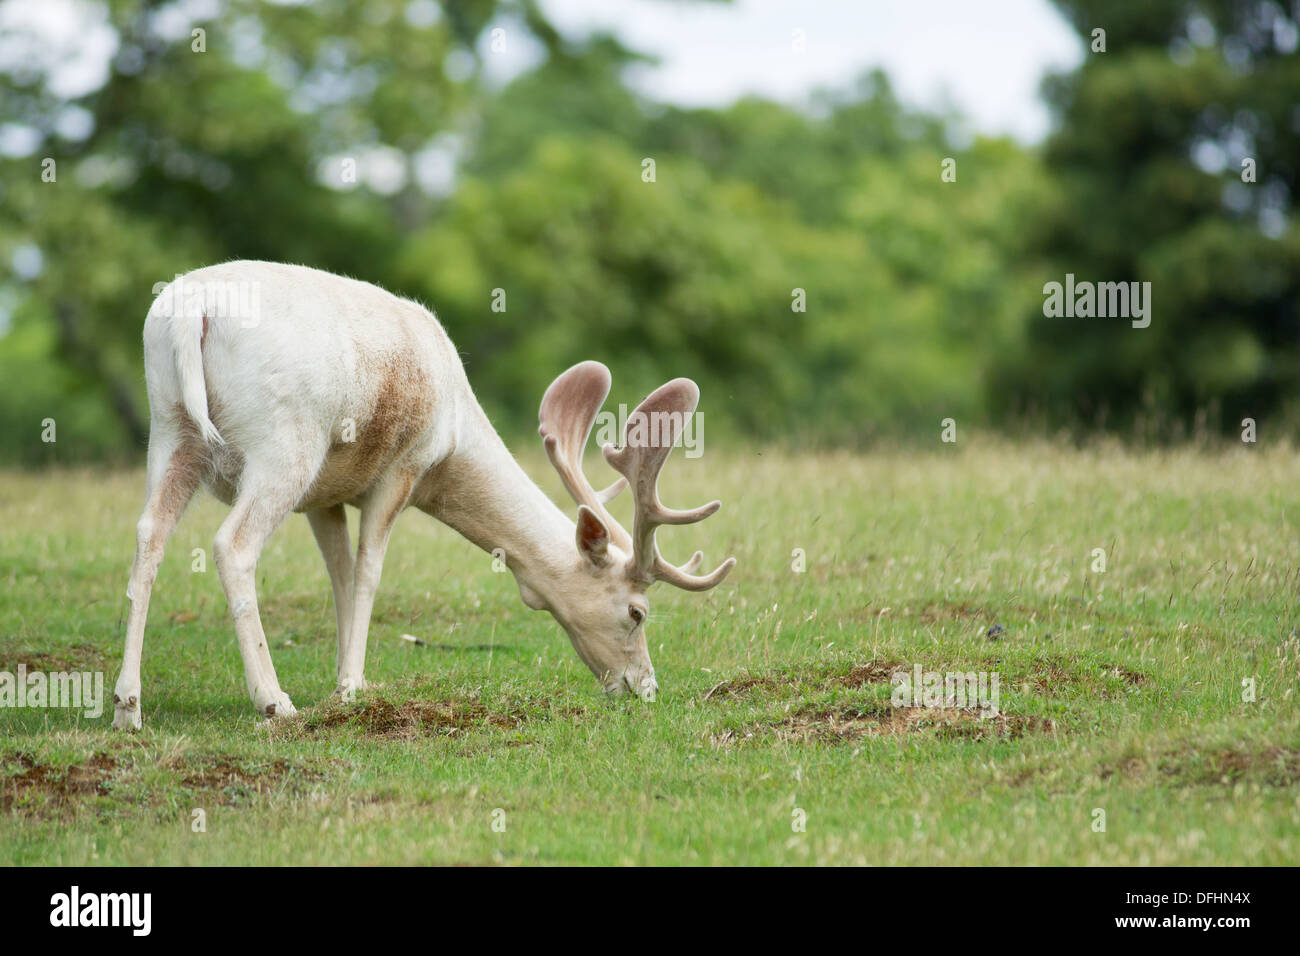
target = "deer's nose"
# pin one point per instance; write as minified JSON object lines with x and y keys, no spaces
{"x":643,"y":685}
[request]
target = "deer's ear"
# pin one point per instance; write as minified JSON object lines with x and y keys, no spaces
{"x":592,"y":537}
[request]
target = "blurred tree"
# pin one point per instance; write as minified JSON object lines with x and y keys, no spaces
{"x":905,"y":277}
{"x":809,"y":266}
{"x":1153,"y":137}
{"x":218,"y":137}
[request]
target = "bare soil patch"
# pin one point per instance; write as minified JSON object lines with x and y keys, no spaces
{"x":410,"y":719}
{"x":1052,"y":675}
{"x":1222,"y":766}
{"x":1131,"y":677}
{"x":53,"y":790}
{"x":850,"y":723}
{"x":874,"y":672}
{"x":33,"y":788}
{"x":860,"y":675}
{"x":77,"y":657}
{"x":738,"y":687}
{"x":854,"y":722}
{"x":233,"y":781}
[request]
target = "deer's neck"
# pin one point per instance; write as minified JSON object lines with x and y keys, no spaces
{"x":482,"y":492}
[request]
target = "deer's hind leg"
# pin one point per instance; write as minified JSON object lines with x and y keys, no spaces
{"x":175,"y":468}
{"x":266,"y":496}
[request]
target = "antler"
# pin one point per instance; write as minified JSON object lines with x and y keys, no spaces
{"x":567,"y":413}
{"x":652,"y":431}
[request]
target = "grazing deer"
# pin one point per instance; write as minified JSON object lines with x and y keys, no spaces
{"x":326,"y":391}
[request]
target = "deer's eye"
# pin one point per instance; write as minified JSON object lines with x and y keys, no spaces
{"x":635,"y":613}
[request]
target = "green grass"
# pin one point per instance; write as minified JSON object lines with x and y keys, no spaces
{"x":1121,"y":690}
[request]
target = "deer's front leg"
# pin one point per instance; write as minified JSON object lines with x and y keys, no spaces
{"x":330,"y":526}
{"x":378,"y":514}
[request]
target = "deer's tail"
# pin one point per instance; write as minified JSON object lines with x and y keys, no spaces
{"x":186,"y":328}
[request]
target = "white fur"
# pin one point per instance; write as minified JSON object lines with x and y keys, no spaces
{"x":257,"y":407}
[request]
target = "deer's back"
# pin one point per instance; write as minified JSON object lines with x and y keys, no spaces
{"x":316,"y":370}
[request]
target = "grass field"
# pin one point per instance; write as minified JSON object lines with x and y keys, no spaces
{"x":1120,"y":691}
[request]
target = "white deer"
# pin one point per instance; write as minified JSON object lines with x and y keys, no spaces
{"x":319,"y":391}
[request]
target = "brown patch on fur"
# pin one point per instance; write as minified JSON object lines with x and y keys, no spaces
{"x":203,"y":335}
{"x":407,"y":482}
{"x":177,"y":486}
{"x":223,"y":465}
{"x":401,"y":404}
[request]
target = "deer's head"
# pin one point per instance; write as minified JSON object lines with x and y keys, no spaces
{"x":602,"y":600}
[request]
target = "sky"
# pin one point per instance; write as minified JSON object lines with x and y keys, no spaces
{"x":985,"y":58}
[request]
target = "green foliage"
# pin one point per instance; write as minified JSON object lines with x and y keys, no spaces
{"x":1177,"y":80}
{"x":904,"y":275}
{"x":923,"y":297}
{"x":597,"y":263}
{"x":37,"y":388}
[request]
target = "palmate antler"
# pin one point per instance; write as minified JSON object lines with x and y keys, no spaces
{"x":568,"y":411}
{"x":651,"y":432}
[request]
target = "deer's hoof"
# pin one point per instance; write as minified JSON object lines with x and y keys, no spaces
{"x":278,"y":708}
{"x":349,"y":687}
{"x":126,"y":712}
